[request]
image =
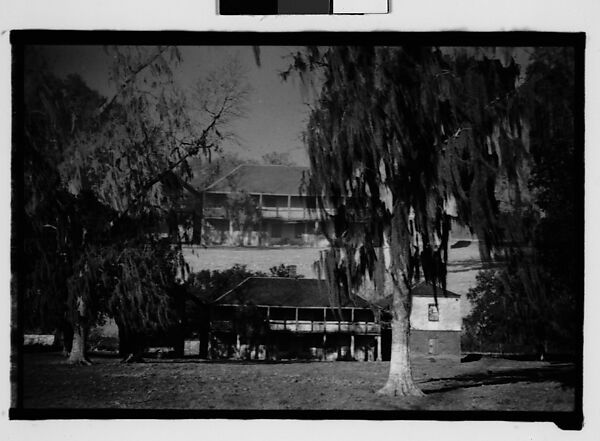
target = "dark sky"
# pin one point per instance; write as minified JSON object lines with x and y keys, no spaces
{"x":276,"y":113}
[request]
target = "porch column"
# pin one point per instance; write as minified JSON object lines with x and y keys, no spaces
{"x":352,"y":345}
{"x":238,"y":345}
{"x":296,"y":319}
{"x":208,"y":346}
{"x":324,"y":334}
{"x":378,"y":338}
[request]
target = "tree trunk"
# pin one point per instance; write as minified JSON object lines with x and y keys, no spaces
{"x":400,"y":381}
{"x":78,"y":353}
{"x":78,"y":350}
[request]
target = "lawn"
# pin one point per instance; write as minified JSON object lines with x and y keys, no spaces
{"x":486,"y":384}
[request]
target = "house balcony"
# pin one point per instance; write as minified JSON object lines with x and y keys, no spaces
{"x":287,"y":213}
{"x":282,"y":213}
{"x":329,"y":327}
{"x":307,"y":326}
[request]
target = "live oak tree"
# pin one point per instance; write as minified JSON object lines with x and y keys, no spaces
{"x":400,"y":140}
{"x":100,"y":175}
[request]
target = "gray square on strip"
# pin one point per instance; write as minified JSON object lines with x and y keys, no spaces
{"x":292,"y":7}
{"x":360,"y":7}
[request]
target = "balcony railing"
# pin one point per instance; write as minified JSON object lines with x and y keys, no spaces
{"x":284,"y":213}
{"x":287,"y":213}
{"x":307,"y":326}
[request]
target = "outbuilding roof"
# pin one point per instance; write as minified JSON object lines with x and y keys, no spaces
{"x":421,"y":289}
{"x":282,"y":291}
{"x":300,"y":292}
{"x":265,"y":179}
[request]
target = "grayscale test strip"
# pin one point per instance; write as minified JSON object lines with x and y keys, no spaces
{"x":294,"y":7}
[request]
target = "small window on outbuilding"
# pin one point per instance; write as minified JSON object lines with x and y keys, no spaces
{"x":433,"y":313}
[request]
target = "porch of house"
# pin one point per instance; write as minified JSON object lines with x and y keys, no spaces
{"x":279,"y":333}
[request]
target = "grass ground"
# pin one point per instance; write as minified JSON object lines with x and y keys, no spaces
{"x":486,"y":384}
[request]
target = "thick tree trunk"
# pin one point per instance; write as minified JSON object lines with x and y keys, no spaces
{"x":78,"y":350}
{"x":78,"y":353}
{"x":400,"y":381}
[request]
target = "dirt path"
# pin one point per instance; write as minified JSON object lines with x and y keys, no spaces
{"x":487,"y":384}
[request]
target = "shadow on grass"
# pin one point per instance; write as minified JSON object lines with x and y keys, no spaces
{"x":563,"y":373}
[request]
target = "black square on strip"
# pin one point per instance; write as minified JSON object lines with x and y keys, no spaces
{"x":248,"y":7}
{"x":291,"y":7}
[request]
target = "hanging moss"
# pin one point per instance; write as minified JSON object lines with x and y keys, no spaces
{"x":411,"y":122}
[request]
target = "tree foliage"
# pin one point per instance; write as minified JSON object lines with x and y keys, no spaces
{"x":539,"y":289}
{"x":101,"y":174}
{"x":400,"y":140}
{"x":208,"y":285}
{"x":403,"y":137}
{"x":508,"y":317}
{"x":243,"y":210}
{"x":282,"y":271}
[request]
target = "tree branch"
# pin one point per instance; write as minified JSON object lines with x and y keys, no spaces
{"x":196,"y":146}
{"x":104,"y":107}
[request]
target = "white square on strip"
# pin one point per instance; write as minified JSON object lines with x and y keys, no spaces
{"x":360,"y":7}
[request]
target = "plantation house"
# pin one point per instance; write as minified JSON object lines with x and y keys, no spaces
{"x":286,"y":213}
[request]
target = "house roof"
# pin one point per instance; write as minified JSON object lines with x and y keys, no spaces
{"x":282,"y":291}
{"x":266,"y":179}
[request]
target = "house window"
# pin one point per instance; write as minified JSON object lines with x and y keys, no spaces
{"x":433,"y":313}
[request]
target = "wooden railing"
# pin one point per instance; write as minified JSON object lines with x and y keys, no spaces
{"x":309,"y":326}
{"x":285,"y":213}
{"x":304,"y":326}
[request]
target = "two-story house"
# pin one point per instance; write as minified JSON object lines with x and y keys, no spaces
{"x":284,"y":214}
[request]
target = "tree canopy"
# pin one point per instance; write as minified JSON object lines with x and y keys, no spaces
{"x":102,"y":174}
{"x":539,"y":288}
{"x":402,"y":140}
